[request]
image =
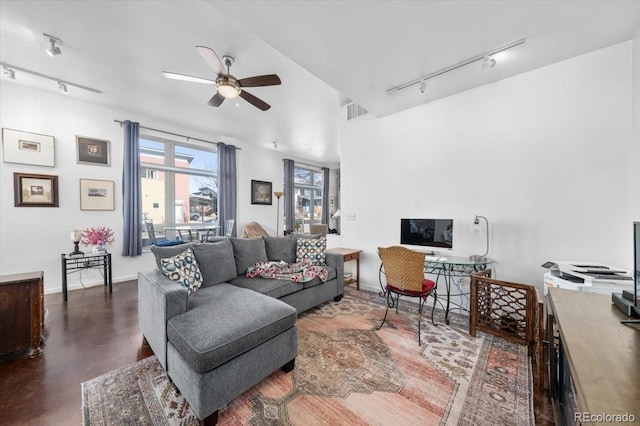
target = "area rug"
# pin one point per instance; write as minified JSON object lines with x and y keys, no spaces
{"x":348,"y":373}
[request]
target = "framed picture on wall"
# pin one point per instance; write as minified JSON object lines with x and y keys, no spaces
{"x":97,"y":194}
{"x":93,"y":151}
{"x":261,"y":192}
{"x":30,"y":190}
{"x":28,"y":148}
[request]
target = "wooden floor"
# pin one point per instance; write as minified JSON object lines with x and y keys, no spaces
{"x":93,"y":333}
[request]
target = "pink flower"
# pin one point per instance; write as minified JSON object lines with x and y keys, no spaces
{"x":97,"y":236}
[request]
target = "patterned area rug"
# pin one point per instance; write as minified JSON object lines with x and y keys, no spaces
{"x":348,"y":373}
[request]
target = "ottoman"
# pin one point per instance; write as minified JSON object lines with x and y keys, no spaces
{"x":227,"y":344}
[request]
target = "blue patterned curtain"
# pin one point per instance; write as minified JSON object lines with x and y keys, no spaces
{"x":289,"y":196}
{"x":131,"y":198}
{"x":325,"y":195}
{"x":227,"y":186}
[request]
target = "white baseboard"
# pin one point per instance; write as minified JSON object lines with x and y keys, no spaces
{"x":96,"y":283}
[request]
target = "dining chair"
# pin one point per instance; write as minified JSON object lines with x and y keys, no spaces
{"x":404,"y":272}
{"x":228,"y":227}
{"x":159,"y":242}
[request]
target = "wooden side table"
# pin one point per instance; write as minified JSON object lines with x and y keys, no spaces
{"x":348,"y":255}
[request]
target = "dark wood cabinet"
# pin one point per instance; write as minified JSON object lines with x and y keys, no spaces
{"x":594,"y":360}
{"x":21,"y":313}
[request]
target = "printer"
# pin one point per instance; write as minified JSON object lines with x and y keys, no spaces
{"x":586,"y":276}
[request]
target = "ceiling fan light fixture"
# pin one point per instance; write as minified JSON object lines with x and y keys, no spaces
{"x":228,"y":88}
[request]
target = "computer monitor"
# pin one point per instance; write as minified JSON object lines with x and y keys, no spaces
{"x":429,"y":233}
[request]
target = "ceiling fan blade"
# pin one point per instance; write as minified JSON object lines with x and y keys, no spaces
{"x":260,"y":80}
{"x":216,"y":101}
{"x":211,"y":58}
{"x":256,"y":102}
{"x":185,"y":77}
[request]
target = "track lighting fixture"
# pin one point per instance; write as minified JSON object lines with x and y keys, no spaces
{"x":275,"y":144}
{"x":488,"y":62}
{"x":55,"y":45}
{"x":10,"y":71}
{"x":11,"y":74}
{"x":423,"y":87}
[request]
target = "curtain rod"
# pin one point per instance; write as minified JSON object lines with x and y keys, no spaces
{"x":172,"y":134}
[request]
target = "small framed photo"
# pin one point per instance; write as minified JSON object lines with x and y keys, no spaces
{"x":261,"y":192}
{"x":28,"y":148}
{"x":32,"y":190}
{"x":97,"y":194}
{"x":93,"y":151}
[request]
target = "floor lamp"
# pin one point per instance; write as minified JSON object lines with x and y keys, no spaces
{"x":278,"y":194}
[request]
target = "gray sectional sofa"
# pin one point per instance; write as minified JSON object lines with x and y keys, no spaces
{"x":233,"y":331}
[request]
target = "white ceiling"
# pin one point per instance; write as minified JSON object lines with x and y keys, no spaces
{"x":325,"y":52}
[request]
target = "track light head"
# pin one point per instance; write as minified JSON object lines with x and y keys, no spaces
{"x":423,"y":87}
{"x":11,"y":74}
{"x":55,"y":45}
{"x":63,"y":87}
{"x":488,"y":63}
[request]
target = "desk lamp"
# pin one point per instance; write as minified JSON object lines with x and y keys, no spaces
{"x":476,"y":228}
{"x":76,"y":236}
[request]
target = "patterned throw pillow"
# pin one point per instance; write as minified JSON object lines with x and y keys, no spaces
{"x":183,"y":268}
{"x":313,"y":249}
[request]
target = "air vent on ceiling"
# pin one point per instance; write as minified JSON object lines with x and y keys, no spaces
{"x":354,"y":111}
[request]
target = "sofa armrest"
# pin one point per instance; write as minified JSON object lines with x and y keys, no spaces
{"x":337,"y":261}
{"x":159,"y":299}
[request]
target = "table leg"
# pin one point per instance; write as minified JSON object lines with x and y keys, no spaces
{"x":110,"y":273}
{"x":64,"y":278}
{"x":447,"y":280}
{"x":358,"y":273}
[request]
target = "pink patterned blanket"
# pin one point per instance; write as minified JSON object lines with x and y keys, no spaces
{"x":300,"y":272}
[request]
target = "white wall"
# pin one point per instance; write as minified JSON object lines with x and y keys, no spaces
{"x":33,"y":238}
{"x":543,"y":155}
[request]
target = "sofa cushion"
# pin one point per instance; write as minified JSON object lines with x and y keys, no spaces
{"x":165,"y":252}
{"x":216,"y":261}
{"x":225,"y":325}
{"x":312,"y":249}
{"x":183,"y":268}
{"x":270,"y":287}
{"x":248,"y":251}
{"x":281,"y":248}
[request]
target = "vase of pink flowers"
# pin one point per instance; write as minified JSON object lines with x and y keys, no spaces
{"x":98,"y":238}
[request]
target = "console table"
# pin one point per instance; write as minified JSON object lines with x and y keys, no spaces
{"x":594,"y":367}
{"x":22,"y":313}
{"x":72,"y":264}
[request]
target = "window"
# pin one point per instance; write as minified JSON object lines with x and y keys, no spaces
{"x":179,"y":183}
{"x":308,"y":184}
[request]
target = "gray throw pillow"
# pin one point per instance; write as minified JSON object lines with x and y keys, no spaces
{"x":248,"y":251}
{"x":281,"y":248}
{"x":169,"y":251}
{"x":216,"y":261}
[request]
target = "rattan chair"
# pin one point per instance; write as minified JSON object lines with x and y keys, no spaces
{"x":404,"y":271}
{"x":509,"y":310}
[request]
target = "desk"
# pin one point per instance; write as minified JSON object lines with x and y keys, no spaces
{"x":72,"y":264}
{"x":193,"y":228}
{"x":452,"y":266}
{"x":347,"y":255}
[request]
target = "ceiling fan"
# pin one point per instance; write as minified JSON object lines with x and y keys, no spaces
{"x":227,"y":85}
